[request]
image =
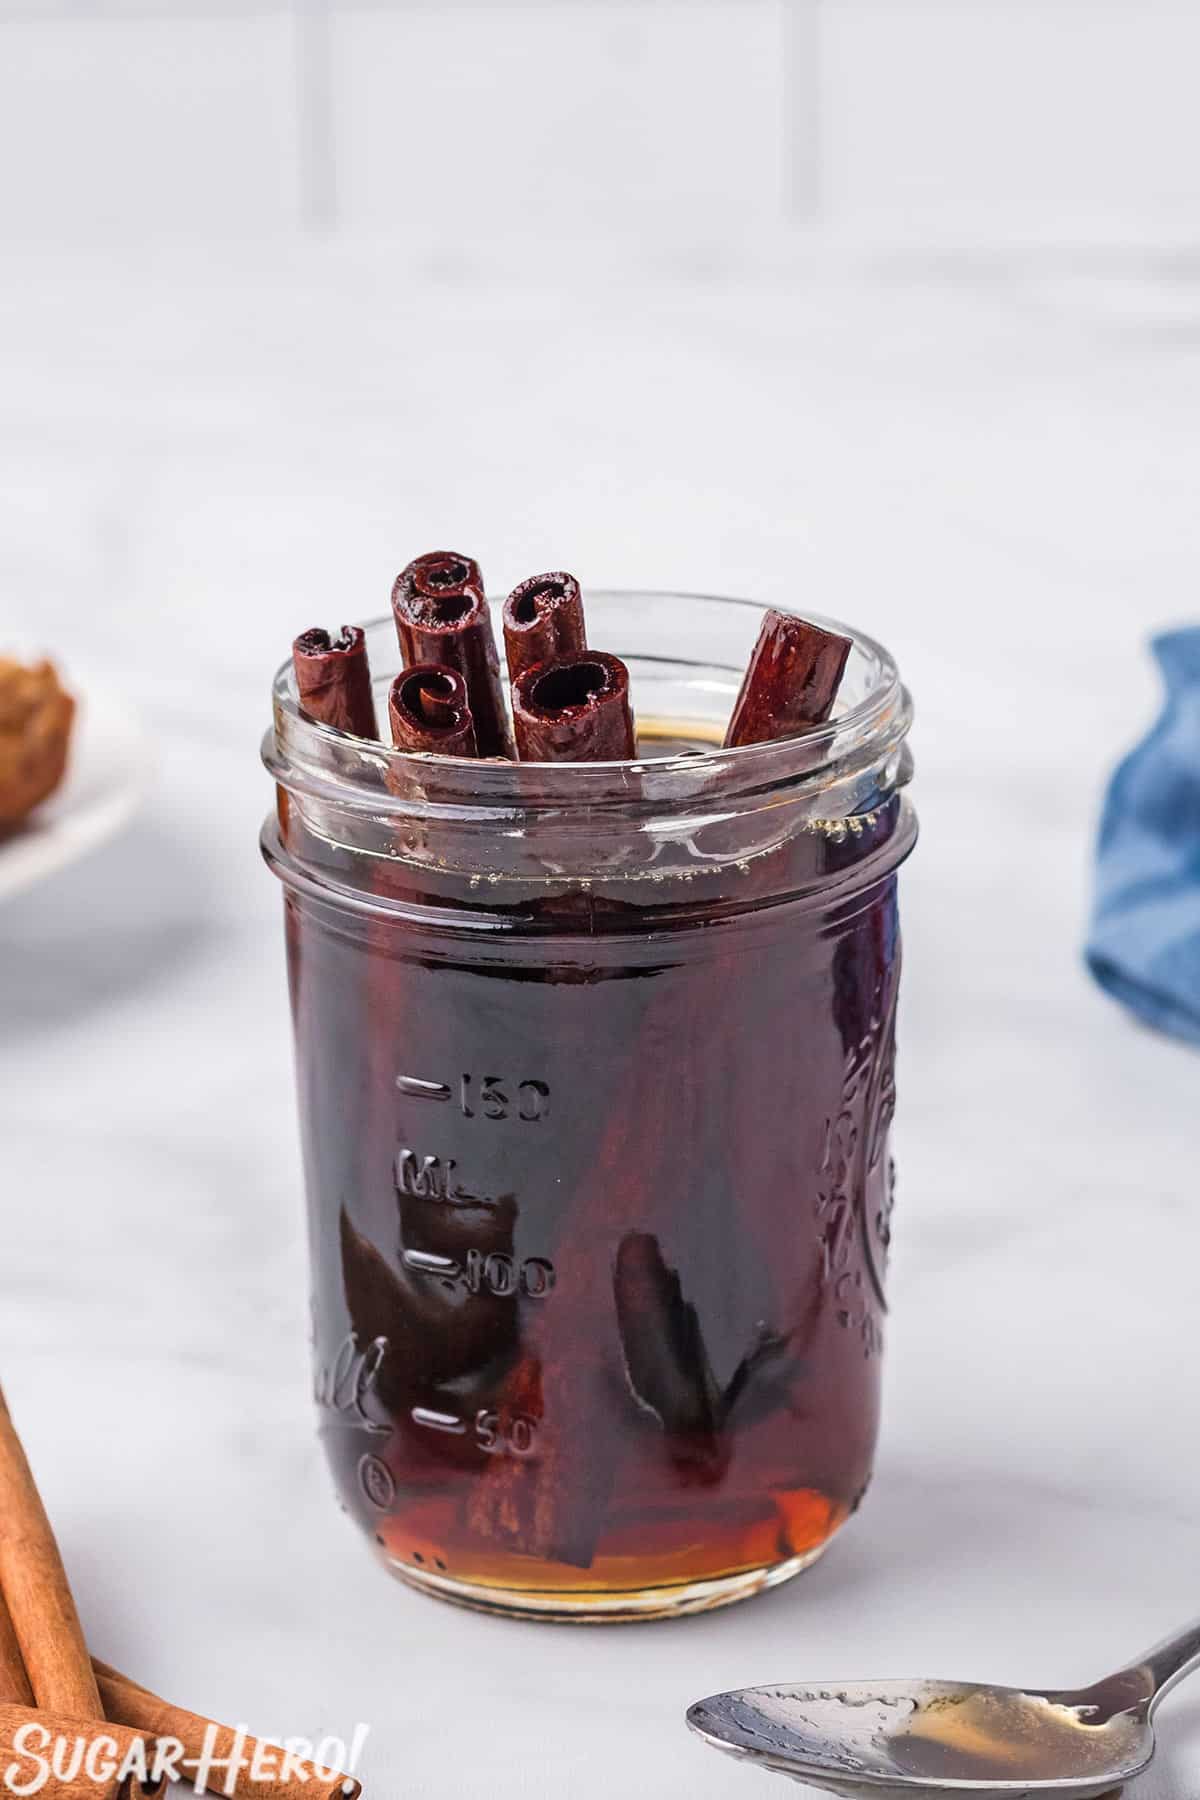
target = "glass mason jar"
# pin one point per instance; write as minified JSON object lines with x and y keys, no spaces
{"x":595,"y":1071}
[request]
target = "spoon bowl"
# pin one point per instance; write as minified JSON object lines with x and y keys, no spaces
{"x":900,"y":1740}
{"x":909,"y":1738}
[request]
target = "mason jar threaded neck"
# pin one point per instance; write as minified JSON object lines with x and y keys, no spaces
{"x":687,"y":808}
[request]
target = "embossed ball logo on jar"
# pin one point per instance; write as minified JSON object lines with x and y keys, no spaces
{"x":375,"y":1480}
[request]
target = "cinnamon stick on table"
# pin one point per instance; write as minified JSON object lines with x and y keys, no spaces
{"x":543,"y":619}
{"x":429,"y":710}
{"x":442,"y":617}
{"x":35,"y":1587}
{"x":575,"y":709}
{"x":15,"y":1691}
{"x":14,"y":1682}
{"x":134,"y":1705}
{"x":791,"y":681}
{"x":90,"y":1747}
{"x":333,"y":677}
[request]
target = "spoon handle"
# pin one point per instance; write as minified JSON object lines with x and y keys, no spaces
{"x":1166,"y":1664}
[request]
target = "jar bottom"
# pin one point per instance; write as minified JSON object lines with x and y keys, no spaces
{"x":599,"y":1606}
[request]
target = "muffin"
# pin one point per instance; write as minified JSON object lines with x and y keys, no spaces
{"x":35,"y":731}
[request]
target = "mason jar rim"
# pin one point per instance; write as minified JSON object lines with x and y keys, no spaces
{"x":315,"y":759}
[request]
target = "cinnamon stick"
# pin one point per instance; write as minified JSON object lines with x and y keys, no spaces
{"x":14,"y":1682}
{"x":575,"y":709}
{"x":791,"y":681}
{"x":333,"y":677}
{"x":430,"y":710}
{"x":153,"y":1788}
{"x":16,"y":1690}
{"x":667,"y":1362}
{"x":205,"y":1743}
{"x":543,"y":619}
{"x":35,"y":1588}
{"x":553,"y":1506}
{"x":91,"y":1751}
{"x":442,"y":617}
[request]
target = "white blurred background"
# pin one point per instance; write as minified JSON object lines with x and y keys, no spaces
{"x":453,"y":123}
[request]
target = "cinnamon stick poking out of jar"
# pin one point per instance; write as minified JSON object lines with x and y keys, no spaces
{"x":791,"y":681}
{"x":36,"y":1591}
{"x":429,"y":710}
{"x":575,"y":709}
{"x":333,"y":677}
{"x":442,"y":617}
{"x":133,"y":1705}
{"x":543,"y":619}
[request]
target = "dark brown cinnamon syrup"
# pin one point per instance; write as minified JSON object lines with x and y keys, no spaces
{"x":599,"y":1195}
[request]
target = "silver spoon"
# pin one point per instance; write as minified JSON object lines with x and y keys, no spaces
{"x":900,"y":1740}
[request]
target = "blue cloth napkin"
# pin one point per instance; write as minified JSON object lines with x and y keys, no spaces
{"x":1144,"y":945}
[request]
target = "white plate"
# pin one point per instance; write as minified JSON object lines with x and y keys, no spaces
{"x":106,"y":778}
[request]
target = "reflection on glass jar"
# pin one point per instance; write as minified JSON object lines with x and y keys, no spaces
{"x":596,"y":1069}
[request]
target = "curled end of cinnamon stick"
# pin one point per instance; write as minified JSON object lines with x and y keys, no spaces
{"x":442,"y":616}
{"x":574,"y":709}
{"x":429,"y":709}
{"x":154,"y":1788}
{"x":440,"y":591}
{"x":543,"y":618}
{"x":328,"y":1784}
{"x":791,"y":681}
{"x":333,"y":679}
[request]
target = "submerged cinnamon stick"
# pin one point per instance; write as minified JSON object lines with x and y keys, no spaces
{"x":543,"y":619}
{"x":442,"y":617}
{"x":575,"y":709}
{"x":36,"y":1591}
{"x":333,"y":677}
{"x":429,"y":710}
{"x":206,"y":1742}
{"x":553,"y":1506}
{"x":791,"y":681}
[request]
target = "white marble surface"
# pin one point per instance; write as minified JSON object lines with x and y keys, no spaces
{"x":990,"y":466}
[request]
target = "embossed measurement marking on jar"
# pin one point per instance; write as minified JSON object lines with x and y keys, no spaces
{"x":505,"y":1436}
{"x":485,"y":1096}
{"x":497,"y":1274}
{"x":513,"y":1436}
{"x":416,"y":1089}
{"x":434,"y":1178}
{"x":438,"y":1421}
{"x":495,"y":1100}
